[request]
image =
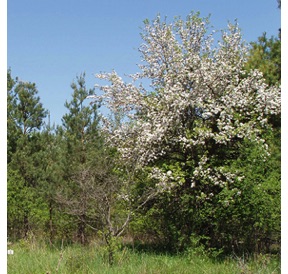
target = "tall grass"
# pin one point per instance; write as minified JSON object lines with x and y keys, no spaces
{"x":40,"y":258}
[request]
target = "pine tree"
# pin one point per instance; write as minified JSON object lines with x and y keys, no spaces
{"x":25,"y":120}
{"x":13,"y":131}
{"x":265,"y":55}
{"x":80,"y":139}
{"x":52,"y":167}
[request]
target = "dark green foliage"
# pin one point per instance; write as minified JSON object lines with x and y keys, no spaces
{"x":80,"y":140}
{"x":237,"y":218}
{"x":51,"y":180}
{"x":29,"y":113}
{"x":13,"y":132}
{"x":25,"y":209}
{"x":265,"y":55}
{"x":81,"y":123}
{"x":25,"y":118}
{"x":246,"y":218}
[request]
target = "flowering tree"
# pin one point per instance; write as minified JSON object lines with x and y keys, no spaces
{"x":192,"y":129}
{"x":199,"y":106}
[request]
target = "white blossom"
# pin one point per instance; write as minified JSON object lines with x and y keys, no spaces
{"x":195,"y":86}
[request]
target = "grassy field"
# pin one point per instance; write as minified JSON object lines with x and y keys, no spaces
{"x":38,"y":259}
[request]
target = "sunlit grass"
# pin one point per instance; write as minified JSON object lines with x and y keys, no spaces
{"x":35,"y":259}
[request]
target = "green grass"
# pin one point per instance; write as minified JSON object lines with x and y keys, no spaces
{"x":37,"y":259}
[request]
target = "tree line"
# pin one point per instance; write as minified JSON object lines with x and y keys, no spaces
{"x":192,"y":160}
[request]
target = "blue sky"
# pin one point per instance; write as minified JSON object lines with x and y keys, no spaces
{"x":51,"y":42}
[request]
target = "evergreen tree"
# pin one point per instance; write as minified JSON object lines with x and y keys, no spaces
{"x":25,"y":119}
{"x":80,"y":139}
{"x":265,"y":55}
{"x":52,"y":179}
{"x":13,"y":132}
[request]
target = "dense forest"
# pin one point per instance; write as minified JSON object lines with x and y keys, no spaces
{"x":191,"y":161}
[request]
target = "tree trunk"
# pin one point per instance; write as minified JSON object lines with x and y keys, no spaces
{"x":81,"y":231}
{"x":51,"y":222}
{"x":26,"y":225}
{"x":110,"y":249}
